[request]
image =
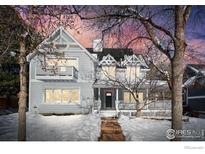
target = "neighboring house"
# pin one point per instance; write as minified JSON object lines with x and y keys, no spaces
{"x":194,"y":89}
{"x":71,"y":79}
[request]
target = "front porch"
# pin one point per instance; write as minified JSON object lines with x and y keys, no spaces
{"x":109,"y":102}
{"x":113,"y":101}
{"x":107,"y":99}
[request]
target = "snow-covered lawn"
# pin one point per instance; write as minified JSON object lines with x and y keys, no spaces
{"x":139,"y":129}
{"x":52,"y":128}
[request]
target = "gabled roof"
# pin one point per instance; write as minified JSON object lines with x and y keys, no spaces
{"x":108,"y":60}
{"x":195,"y":73}
{"x":133,"y":60}
{"x":123,"y":56}
{"x":194,"y":69}
{"x":117,"y":53}
{"x":60,"y":36}
{"x":197,"y":66}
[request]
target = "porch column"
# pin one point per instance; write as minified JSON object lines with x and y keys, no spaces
{"x":147,"y":97}
{"x":117,"y":100}
{"x":99,"y":100}
{"x":98,"y":94}
{"x":117,"y":95}
{"x":164,"y":105}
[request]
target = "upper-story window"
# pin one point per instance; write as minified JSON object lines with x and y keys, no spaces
{"x":108,"y":72}
{"x":62,"y":62}
{"x":108,"y":64}
{"x":132,"y":73}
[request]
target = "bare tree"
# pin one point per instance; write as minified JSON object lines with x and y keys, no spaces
{"x":24,"y":28}
{"x":165,"y":29}
{"x":134,"y":83}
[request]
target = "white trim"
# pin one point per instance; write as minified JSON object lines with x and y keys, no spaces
{"x":35,"y":69}
{"x":108,"y":60}
{"x":196,"y":97}
{"x":134,"y":110}
{"x":133,"y":59}
{"x":86,"y":51}
{"x":29,"y":88}
{"x":193,"y":69}
{"x":31,"y":56}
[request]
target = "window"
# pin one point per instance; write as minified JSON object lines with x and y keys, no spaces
{"x":74,"y":95}
{"x":62,"y":62}
{"x":61,"y":96}
{"x":140,"y":97}
{"x":49,"y":96}
{"x":65,"y":96}
{"x":57,"y":95}
{"x":132,"y":73}
{"x":63,"y":69}
{"x":108,"y":71}
{"x":128,"y":98}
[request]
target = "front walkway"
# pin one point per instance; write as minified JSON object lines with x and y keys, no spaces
{"x":111,"y":130}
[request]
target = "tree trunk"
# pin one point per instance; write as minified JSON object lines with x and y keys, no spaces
{"x":177,"y":75}
{"x":22,"y":93}
{"x":177,"y":72}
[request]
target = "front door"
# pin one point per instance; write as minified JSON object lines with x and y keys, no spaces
{"x":108,"y":100}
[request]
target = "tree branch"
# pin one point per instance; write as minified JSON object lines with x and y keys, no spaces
{"x":187,"y":12}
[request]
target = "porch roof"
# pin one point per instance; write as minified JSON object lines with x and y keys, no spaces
{"x":111,"y":84}
{"x":105,"y":84}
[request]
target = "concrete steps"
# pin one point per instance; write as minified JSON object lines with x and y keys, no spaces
{"x":108,"y":113}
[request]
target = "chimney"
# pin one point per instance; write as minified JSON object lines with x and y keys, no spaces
{"x":97,"y":45}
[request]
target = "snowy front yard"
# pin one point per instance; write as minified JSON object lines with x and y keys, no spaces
{"x":139,"y":129}
{"x":52,"y":128}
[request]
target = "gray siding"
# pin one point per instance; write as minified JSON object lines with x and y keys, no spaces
{"x":37,"y":91}
{"x":84,"y":83}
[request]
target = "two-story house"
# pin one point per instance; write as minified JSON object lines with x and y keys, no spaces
{"x":66,"y":78}
{"x":61,"y":80}
{"x":116,"y":69}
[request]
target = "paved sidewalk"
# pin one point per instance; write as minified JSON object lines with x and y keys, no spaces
{"x":111,"y":130}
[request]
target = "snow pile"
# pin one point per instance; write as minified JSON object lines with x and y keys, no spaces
{"x":53,"y":128}
{"x":8,"y":127}
{"x":139,"y":129}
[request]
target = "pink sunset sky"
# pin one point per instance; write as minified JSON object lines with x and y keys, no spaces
{"x":195,"y":49}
